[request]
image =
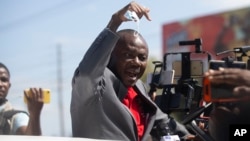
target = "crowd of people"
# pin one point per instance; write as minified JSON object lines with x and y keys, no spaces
{"x":109,"y":101}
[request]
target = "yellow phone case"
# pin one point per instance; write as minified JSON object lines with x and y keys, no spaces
{"x":46,"y":95}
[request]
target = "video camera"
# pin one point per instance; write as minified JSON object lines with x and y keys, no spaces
{"x":187,"y":71}
{"x":180,"y":78}
{"x":181,"y":98}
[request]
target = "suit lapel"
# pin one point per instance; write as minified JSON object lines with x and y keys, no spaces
{"x":122,"y":91}
{"x":152,"y":108}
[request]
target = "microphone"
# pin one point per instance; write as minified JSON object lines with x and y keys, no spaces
{"x":192,"y":42}
{"x":196,"y":42}
{"x":224,"y":52}
{"x":243,"y":49}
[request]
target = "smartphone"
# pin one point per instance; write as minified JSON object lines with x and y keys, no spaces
{"x":166,"y":77}
{"x":196,"y":68}
{"x":46,"y":95}
{"x":222,"y":92}
{"x":217,"y":93}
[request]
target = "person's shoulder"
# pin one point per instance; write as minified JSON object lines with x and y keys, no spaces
{"x":19,"y":118}
{"x":6,"y":106}
{"x":20,"y":115}
{"x":14,"y":113}
{"x":9,"y":111}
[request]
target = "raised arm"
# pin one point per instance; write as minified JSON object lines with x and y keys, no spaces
{"x":98,"y":55}
{"x":35,"y":105}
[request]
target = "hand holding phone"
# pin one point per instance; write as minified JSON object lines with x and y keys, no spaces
{"x":222,"y":92}
{"x":45,"y":92}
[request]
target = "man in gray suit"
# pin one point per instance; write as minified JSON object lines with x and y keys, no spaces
{"x":108,"y":99}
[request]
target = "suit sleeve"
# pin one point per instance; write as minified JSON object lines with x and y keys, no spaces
{"x":97,"y":56}
{"x":87,"y":82}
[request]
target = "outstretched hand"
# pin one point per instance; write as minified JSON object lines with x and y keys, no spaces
{"x":118,"y":17}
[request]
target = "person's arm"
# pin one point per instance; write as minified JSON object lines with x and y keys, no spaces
{"x":35,"y":105}
{"x":118,"y":17}
{"x":97,"y":56}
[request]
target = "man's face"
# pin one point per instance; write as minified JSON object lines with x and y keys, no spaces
{"x":130,"y":59}
{"x":4,"y":83}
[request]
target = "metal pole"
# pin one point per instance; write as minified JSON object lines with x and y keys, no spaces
{"x":59,"y":88}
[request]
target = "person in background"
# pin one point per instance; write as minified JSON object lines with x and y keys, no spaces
{"x":225,"y":114}
{"x":16,"y":122}
{"x":109,"y":101}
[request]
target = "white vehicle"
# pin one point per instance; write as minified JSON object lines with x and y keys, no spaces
{"x":43,"y":138}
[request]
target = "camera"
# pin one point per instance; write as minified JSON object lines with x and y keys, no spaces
{"x":222,"y":92}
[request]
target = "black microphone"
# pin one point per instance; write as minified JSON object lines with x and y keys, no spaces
{"x":196,"y":42}
{"x":192,"y":42}
{"x":243,"y":49}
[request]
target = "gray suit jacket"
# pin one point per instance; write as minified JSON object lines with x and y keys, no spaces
{"x":96,"y":108}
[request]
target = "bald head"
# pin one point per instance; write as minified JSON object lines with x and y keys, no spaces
{"x":128,"y":35}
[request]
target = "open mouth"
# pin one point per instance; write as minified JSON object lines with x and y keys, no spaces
{"x":133,"y":74}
